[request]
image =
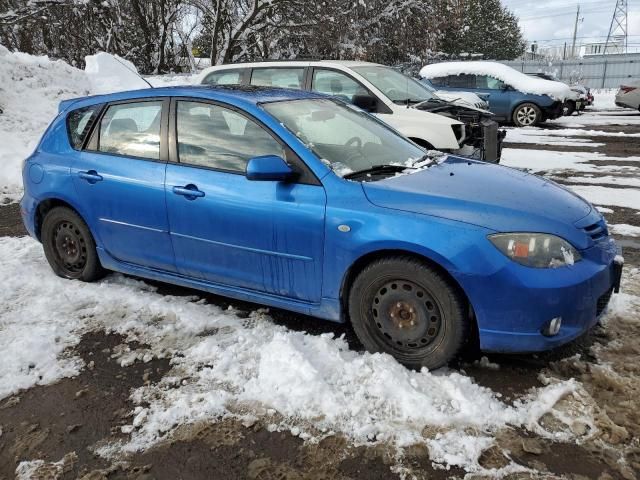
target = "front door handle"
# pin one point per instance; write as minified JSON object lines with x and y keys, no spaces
{"x":91,"y":176}
{"x":190,"y":191}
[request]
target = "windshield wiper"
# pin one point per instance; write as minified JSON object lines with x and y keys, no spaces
{"x":375,"y":170}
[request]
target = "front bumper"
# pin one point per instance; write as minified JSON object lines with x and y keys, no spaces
{"x":553,"y":111}
{"x":515,"y":304}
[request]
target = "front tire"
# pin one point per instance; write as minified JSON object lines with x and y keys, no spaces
{"x":526,"y":115}
{"x":69,"y":246}
{"x":569,"y":108}
{"x":407,"y":309}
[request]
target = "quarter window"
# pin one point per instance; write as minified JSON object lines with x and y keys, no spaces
{"x":132,"y":129}
{"x":224,"y":77}
{"x":336,"y":84}
{"x":217,"y":137}
{"x":79,"y":122}
{"x":278,"y":77}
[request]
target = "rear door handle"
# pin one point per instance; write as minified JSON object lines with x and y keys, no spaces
{"x":91,"y":176}
{"x":190,"y":191}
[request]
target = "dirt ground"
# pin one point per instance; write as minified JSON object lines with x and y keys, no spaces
{"x":65,"y":421}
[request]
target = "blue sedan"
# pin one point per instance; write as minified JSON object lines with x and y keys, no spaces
{"x":299,"y":201}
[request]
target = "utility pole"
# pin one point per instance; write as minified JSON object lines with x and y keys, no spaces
{"x":575,"y":33}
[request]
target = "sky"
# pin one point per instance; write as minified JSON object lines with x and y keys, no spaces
{"x":552,"y":21}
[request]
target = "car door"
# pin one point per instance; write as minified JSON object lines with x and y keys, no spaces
{"x":119,"y":177}
{"x":265,"y":236}
{"x":497,"y":93}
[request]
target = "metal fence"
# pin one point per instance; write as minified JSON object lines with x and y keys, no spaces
{"x":602,"y":71}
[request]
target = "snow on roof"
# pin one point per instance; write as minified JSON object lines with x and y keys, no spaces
{"x":519,"y":81}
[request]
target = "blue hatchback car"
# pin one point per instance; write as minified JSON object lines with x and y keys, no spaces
{"x":299,"y":201}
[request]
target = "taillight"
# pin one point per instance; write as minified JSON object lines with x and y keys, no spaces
{"x":625,"y":89}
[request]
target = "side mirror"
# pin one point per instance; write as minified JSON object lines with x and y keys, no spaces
{"x":365,"y":102}
{"x":268,"y":167}
{"x":507,"y":88}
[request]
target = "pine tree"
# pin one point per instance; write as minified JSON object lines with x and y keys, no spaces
{"x":481,"y":27}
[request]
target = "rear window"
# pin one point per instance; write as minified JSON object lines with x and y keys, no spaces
{"x":79,"y":123}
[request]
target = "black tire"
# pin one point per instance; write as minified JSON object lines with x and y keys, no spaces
{"x":526,"y":115}
{"x":405,"y":308}
{"x":69,"y":246}
{"x":568,"y":108}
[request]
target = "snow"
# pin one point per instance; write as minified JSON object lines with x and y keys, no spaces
{"x":598,"y":118}
{"x":540,"y":137}
{"x":604,"y":99}
{"x":518,"y":80}
{"x":30,"y":89}
{"x":630,"y":181}
{"x":625,"y":230}
{"x":618,"y":197}
{"x":224,"y":364}
{"x":110,"y":73}
{"x":551,"y":161}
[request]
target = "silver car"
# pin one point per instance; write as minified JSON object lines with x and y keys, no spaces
{"x":628,"y":95}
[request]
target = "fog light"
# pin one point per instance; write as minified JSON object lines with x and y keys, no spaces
{"x":553,"y":327}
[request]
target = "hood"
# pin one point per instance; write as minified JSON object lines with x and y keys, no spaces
{"x":464,"y":99}
{"x":499,"y":198}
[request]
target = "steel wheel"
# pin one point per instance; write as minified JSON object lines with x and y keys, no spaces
{"x":401,"y":306}
{"x":407,"y":317}
{"x":69,"y":246}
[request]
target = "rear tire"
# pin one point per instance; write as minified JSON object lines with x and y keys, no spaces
{"x":407,"y":309}
{"x":526,"y":115}
{"x":69,"y":246}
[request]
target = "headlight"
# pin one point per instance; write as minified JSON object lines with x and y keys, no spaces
{"x":538,"y":250}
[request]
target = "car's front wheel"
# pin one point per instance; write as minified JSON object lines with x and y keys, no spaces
{"x":526,"y":115}
{"x":69,"y":246}
{"x":407,"y":309}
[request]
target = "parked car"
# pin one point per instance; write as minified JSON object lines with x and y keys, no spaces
{"x":399,"y":100}
{"x":301,"y":201}
{"x":575,"y":102}
{"x":460,"y":98}
{"x":513,"y":96}
{"x":628,"y":95}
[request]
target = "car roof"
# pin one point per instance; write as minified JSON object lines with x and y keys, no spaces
{"x":291,"y":63}
{"x":228,"y":94}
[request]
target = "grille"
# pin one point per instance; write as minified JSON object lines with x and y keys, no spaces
{"x":597,"y":231}
{"x":603,"y":301}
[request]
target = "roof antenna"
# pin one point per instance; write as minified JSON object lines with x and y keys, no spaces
{"x":133,"y":71}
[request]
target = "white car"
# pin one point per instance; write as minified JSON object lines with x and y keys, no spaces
{"x":628,"y":95}
{"x":402,"y":102}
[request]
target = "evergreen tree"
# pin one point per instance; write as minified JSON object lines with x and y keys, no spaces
{"x":480,"y":27}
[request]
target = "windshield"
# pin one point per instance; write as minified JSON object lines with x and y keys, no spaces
{"x":344,"y":137}
{"x":395,"y":85}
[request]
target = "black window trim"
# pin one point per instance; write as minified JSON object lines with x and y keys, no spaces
{"x":94,"y":137}
{"x":381,"y":107}
{"x":305,"y":175}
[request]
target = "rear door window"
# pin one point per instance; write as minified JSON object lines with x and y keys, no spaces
{"x":488,"y":82}
{"x":132,"y":129}
{"x":278,"y":77}
{"x":224,"y":77}
{"x":462,"y":81}
{"x":79,"y":123}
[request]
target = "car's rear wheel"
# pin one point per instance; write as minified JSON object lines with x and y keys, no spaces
{"x":407,"y":309}
{"x":526,"y":115}
{"x":69,"y":246}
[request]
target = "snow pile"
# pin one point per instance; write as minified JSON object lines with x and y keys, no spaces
{"x":226,"y":365}
{"x":518,"y":80}
{"x":605,"y":99}
{"x":625,"y":230}
{"x":552,"y":161}
{"x":30,"y":90}
{"x":110,"y":73}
